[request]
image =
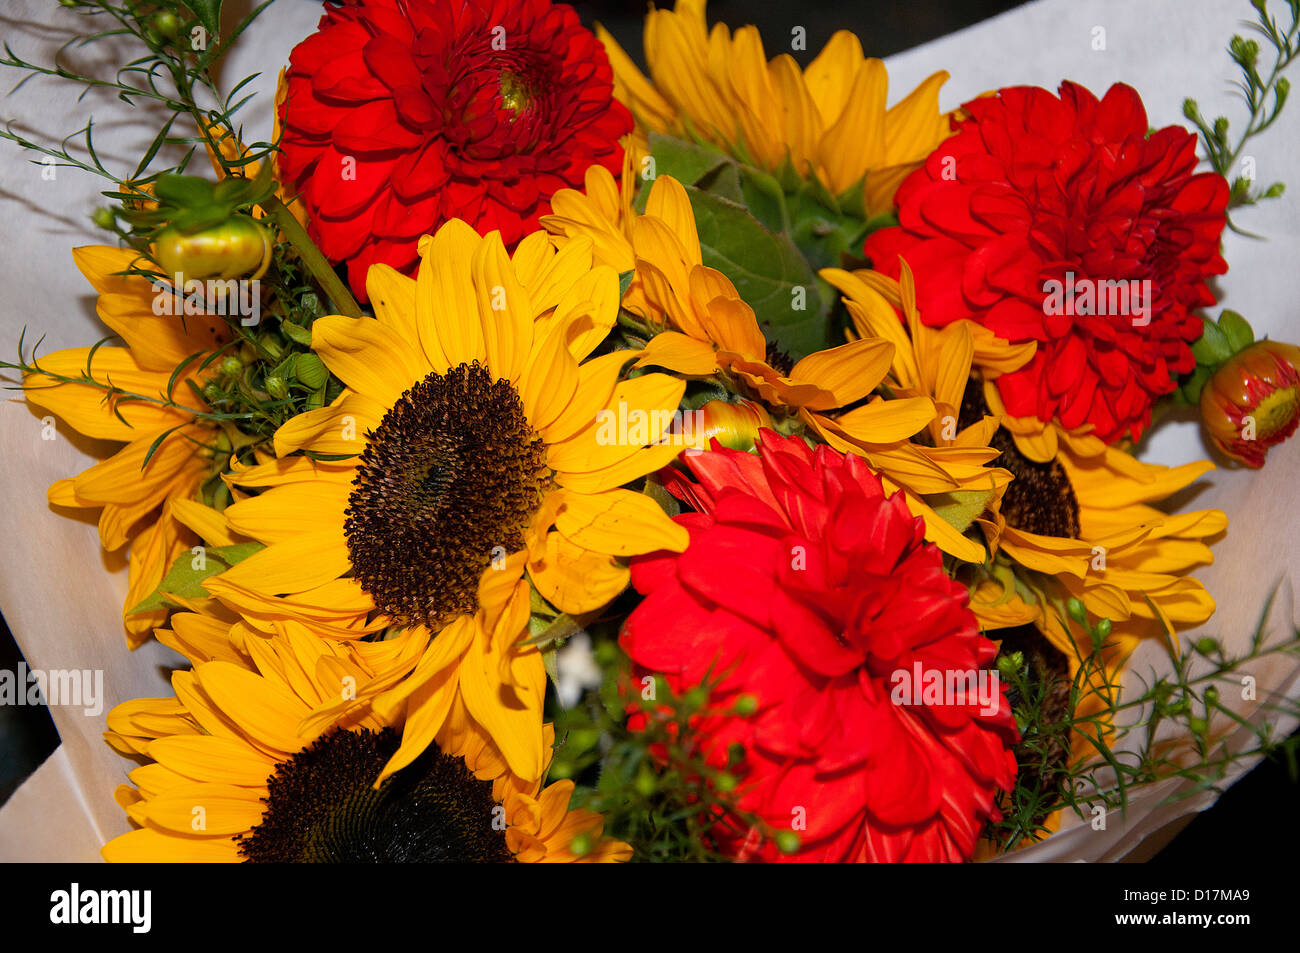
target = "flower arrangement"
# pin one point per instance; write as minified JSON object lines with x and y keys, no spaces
{"x":535,"y":459}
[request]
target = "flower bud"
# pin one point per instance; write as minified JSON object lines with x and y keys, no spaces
{"x":733,"y":425}
{"x":1010,"y":665}
{"x":1253,"y":400}
{"x":233,"y":249}
{"x":310,"y":370}
{"x":276,"y":387}
{"x":646,"y":782}
{"x":787,"y":842}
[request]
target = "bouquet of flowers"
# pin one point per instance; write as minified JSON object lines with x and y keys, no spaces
{"x":534,"y":458}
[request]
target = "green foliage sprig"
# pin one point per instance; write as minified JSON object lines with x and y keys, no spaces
{"x":1127,"y":749}
{"x":1265,"y":91}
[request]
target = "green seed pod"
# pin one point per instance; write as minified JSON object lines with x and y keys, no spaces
{"x":1076,"y":611}
{"x":166,"y":23}
{"x":645,"y":782}
{"x":104,"y":218}
{"x":581,"y":845}
{"x":310,"y":370}
{"x":787,"y":842}
{"x":232,"y":367}
{"x":276,"y":387}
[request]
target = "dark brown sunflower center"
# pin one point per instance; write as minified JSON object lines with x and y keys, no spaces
{"x":321,"y":808}
{"x":1040,"y":499}
{"x":446,"y":484}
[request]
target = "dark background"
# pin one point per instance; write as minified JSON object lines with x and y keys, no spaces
{"x":1256,"y":816}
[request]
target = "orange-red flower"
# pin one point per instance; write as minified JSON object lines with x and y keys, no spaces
{"x":1061,"y":220}
{"x":806,"y":588}
{"x":400,"y":116}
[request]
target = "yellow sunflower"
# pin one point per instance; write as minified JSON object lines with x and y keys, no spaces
{"x":1082,"y":525}
{"x":471,"y":446}
{"x":1085,"y":520}
{"x":128,"y":394}
{"x":235,"y":772}
{"x":830,"y":120}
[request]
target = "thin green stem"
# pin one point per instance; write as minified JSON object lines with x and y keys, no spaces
{"x":311,"y":256}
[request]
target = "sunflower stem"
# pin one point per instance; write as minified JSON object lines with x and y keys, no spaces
{"x":311,"y":256}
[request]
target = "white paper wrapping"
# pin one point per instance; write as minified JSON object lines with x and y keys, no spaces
{"x":62,"y":597}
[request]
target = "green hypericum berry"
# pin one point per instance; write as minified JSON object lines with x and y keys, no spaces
{"x":735,"y":754}
{"x":697,"y":697}
{"x":1207,"y":645}
{"x":581,"y":845}
{"x":746,"y":705}
{"x":166,"y":23}
{"x":606,"y":653}
{"x":646,"y":783}
{"x":787,"y":842}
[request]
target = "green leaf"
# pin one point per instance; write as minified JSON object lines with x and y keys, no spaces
{"x":208,"y":12}
{"x":1237,"y":330}
{"x":723,"y":181}
{"x":296,"y":333}
{"x":185,"y":579}
{"x":765,"y":199}
{"x":960,"y":508}
{"x":684,"y":161}
{"x":1190,"y":391}
{"x":766,"y":268}
{"x":1212,"y":348}
{"x":184,"y":191}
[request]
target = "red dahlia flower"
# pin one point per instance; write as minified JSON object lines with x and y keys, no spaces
{"x":401,"y":114}
{"x":806,"y":588}
{"x":1043,"y":218}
